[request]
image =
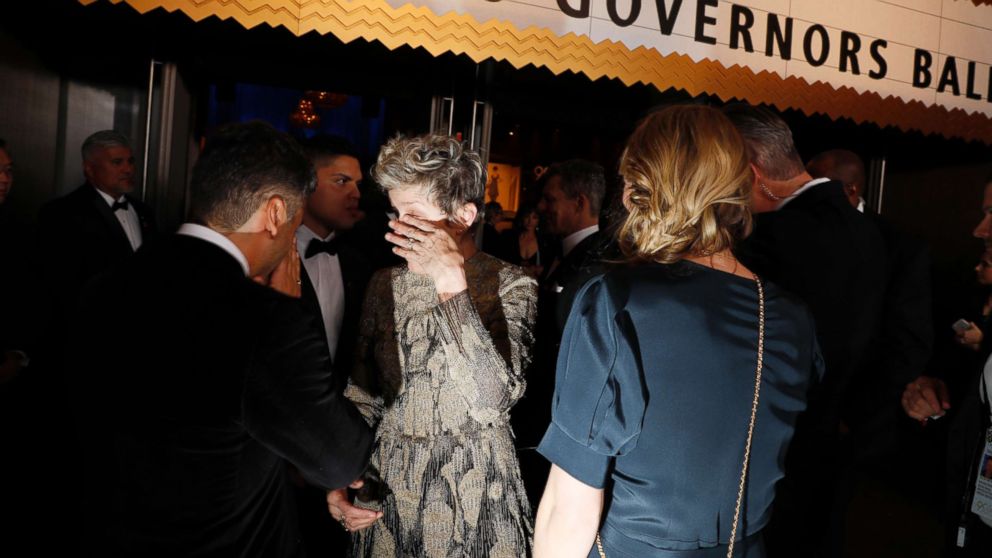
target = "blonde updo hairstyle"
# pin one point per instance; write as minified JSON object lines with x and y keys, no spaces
{"x":689,"y":180}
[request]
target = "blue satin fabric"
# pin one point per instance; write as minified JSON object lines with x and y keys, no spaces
{"x":653,"y":396}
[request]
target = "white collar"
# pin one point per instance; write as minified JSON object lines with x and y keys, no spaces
{"x":213,"y":237}
{"x":304,"y":235}
{"x":861,"y":205}
{"x":804,"y":187}
{"x":106,"y":197}
{"x":571,"y":241}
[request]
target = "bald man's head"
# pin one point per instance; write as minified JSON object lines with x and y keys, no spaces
{"x":841,"y":165}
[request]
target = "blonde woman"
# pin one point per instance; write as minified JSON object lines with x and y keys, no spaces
{"x":658,"y":366}
{"x":443,"y":344}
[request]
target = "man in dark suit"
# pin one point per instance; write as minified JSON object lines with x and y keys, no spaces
{"x":334,"y":275}
{"x":570,"y":203}
{"x":808,"y":239}
{"x":903,"y":342}
{"x":969,"y":532}
{"x":97,"y":225}
{"x":94,"y":228}
{"x":189,"y":410}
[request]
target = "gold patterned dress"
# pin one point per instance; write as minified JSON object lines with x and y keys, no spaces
{"x":437,"y":380}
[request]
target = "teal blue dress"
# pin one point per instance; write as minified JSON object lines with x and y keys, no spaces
{"x":653,"y":397}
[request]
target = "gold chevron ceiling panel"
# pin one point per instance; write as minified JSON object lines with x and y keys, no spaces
{"x":376,"y":20}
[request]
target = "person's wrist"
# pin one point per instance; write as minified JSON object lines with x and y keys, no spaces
{"x":451,"y":280}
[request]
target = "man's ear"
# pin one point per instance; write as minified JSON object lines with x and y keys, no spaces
{"x":276,"y":214}
{"x":757,"y":174}
{"x":582,"y":203}
{"x":466,"y":214}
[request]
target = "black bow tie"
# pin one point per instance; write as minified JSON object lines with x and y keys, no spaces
{"x":318,"y":246}
{"x":119,"y":205}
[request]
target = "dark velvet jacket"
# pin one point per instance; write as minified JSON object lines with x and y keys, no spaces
{"x":834,"y":258}
{"x":189,"y":409}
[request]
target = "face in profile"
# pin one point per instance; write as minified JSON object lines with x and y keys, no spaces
{"x":984,"y":228}
{"x":334,"y":202}
{"x":6,"y":175}
{"x":983,"y":271}
{"x":111,"y":170}
{"x":559,"y":211}
{"x":531,"y":220}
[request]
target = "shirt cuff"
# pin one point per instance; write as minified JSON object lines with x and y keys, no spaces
{"x":576,"y":459}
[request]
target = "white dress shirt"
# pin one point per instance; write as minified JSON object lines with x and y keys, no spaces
{"x":804,"y":187}
{"x":324,"y":271}
{"x":573,"y":240}
{"x":129,"y":219}
{"x":217,"y":239}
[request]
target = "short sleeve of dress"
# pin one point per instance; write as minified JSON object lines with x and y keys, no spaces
{"x":599,"y":400}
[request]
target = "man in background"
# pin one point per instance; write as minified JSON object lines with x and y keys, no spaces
{"x":97,"y":225}
{"x":188,"y":412}
{"x":334,"y":275}
{"x":903,"y":342}
{"x":809,"y":240}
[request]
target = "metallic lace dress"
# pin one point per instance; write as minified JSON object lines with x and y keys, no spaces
{"x":437,"y":381}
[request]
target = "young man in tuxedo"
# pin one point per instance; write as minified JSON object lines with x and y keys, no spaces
{"x":334,"y":275}
{"x":190,"y":408}
{"x":809,"y":240}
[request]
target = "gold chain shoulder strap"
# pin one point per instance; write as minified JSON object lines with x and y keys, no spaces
{"x":750,"y":427}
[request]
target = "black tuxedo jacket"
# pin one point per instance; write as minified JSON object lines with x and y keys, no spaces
{"x":355,"y":272}
{"x":564,"y":281}
{"x":903,"y":343}
{"x":189,"y":410}
{"x":80,"y":237}
{"x":558,"y":290}
{"x":833,"y":257}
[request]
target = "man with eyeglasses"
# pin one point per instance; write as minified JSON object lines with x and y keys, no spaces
{"x":969,"y":437}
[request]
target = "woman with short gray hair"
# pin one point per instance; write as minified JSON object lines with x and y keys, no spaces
{"x":443,"y":345}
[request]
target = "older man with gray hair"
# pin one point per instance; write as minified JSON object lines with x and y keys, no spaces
{"x":100,"y":223}
{"x":808,"y":239}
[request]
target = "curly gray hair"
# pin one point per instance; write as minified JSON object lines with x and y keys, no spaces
{"x":451,"y":175}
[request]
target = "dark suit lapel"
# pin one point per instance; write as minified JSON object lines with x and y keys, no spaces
{"x":108,"y":218}
{"x":145,"y":219}
{"x":308,"y":294}
{"x":351,"y":274}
